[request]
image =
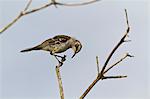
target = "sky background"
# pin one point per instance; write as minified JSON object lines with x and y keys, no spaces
{"x":98,"y":26}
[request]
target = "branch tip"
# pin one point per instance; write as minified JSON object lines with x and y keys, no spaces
{"x":97,"y":62}
{"x":129,"y":55}
{"x":127,"y":40}
{"x":113,"y":77}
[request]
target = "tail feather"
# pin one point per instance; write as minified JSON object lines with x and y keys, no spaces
{"x":30,"y":49}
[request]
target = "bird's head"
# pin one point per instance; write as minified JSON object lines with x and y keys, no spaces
{"x":76,"y":47}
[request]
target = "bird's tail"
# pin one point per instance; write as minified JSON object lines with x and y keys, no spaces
{"x":33,"y":48}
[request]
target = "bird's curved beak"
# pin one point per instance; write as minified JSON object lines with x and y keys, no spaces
{"x":73,"y":55}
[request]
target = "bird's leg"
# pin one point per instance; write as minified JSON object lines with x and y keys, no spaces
{"x":63,"y":58}
{"x":56,"y":57}
{"x":59,"y":56}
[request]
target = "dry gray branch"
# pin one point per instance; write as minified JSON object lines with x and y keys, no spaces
{"x":103,"y":71}
{"x":61,"y":91}
{"x":26,"y":11}
{"x":59,"y":82}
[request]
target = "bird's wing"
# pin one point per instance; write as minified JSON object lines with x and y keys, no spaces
{"x":61,"y":38}
{"x":55,"y":40}
{"x":50,"y":41}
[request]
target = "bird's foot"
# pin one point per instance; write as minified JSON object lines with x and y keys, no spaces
{"x":63,"y":58}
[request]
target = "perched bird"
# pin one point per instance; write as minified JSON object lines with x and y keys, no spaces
{"x":58,"y":44}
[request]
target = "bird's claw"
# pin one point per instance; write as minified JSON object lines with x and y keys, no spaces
{"x":63,"y":58}
{"x":61,"y":63}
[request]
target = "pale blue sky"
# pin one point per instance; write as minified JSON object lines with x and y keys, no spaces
{"x":98,"y":26}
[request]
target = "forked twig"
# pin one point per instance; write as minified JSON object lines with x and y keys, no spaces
{"x":126,"y":55}
{"x":103,"y":71}
{"x":26,"y":11}
{"x":119,"y":43}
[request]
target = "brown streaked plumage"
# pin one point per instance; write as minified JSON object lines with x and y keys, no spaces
{"x":58,"y":44}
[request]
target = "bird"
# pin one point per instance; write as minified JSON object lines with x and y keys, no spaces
{"x":58,"y":44}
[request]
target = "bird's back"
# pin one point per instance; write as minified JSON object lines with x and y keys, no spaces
{"x":57,"y":44}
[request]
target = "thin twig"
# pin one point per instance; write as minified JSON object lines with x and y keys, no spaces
{"x":97,"y":62}
{"x":28,"y":4}
{"x":127,"y":21}
{"x":126,"y":55}
{"x":25,"y":11}
{"x":101,"y":74}
{"x":112,"y":77}
{"x":78,"y":4}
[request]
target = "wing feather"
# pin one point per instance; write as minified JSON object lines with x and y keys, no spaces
{"x":61,"y":38}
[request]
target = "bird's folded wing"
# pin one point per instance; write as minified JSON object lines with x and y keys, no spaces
{"x":61,"y":38}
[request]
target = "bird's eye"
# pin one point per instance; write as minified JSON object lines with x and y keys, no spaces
{"x":77,"y":46}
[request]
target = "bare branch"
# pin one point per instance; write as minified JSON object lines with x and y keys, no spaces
{"x":95,"y":81}
{"x":59,"y":77}
{"x":101,"y":74}
{"x":25,"y":12}
{"x":97,"y":62}
{"x":59,"y":82}
{"x":127,"y":21}
{"x":112,"y":77}
{"x":90,"y":87}
{"x":118,"y":45}
{"x":126,"y":55}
